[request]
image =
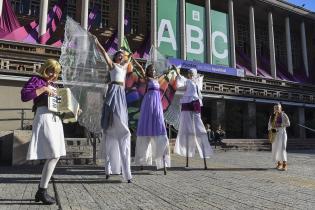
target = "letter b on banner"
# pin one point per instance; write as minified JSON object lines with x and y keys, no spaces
{"x":195,"y":32}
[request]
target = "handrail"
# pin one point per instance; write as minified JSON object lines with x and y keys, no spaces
{"x":14,"y":119}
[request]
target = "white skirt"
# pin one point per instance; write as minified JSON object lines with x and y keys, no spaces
{"x":116,"y":148}
{"x":47,"y":136}
{"x":279,"y":146}
{"x":155,"y":148}
{"x":191,"y":134}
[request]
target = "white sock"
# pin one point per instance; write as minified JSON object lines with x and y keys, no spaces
{"x":47,"y":172}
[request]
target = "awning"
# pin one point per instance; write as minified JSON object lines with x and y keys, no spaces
{"x":257,"y":100}
{"x":205,"y":67}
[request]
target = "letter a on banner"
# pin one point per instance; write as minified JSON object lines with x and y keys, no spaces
{"x":168,"y":27}
{"x":195,"y":32}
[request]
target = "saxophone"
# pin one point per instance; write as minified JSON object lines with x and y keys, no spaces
{"x":273,"y":132}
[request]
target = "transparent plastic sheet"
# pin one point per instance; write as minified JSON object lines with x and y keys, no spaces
{"x":85,"y":72}
{"x":158,"y":60}
{"x":172,"y":114}
{"x":198,"y":79}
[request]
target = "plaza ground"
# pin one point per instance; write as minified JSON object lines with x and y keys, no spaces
{"x":234,"y":180}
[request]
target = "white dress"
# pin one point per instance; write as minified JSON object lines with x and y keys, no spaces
{"x":47,"y":136}
{"x":279,"y":146}
{"x":192,"y":132}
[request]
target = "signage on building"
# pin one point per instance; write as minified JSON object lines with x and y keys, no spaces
{"x":204,"y":67}
{"x":195,"y":33}
{"x":168,"y":27}
{"x":220,"y":38}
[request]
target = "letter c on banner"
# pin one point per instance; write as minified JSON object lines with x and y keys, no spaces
{"x":166,"y":25}
{"x":217,"y":54}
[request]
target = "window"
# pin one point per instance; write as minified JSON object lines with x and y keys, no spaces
{"x":132,"y":12}
{"x":148,"y":15}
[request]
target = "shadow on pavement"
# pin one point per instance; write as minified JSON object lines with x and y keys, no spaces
{"x":19,"y":202}
{"x":218,"y":169}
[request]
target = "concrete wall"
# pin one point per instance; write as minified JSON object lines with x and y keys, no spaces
{"x":21,"y":139}
{"x":10,"y":97}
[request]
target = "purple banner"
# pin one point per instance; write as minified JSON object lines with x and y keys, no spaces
{"x":206,"y":67}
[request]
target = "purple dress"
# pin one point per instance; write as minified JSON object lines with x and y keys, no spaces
{"x":151,"y":121}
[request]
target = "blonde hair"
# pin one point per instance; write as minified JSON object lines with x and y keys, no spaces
{"x":49,"y":64}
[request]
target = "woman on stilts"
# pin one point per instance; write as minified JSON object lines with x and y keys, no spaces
{"x":191,"y":132}
{"x":152,"y":141}
{"x":47,"y":140}
{"x":116,"y":141}
{"x":277,"y":124}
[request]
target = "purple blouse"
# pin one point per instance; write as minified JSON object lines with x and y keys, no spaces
{"x":28,"y":92}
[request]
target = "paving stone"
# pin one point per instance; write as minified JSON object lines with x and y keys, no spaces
{"x":234,"y":180}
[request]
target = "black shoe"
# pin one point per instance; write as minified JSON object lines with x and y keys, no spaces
{"x":129,"y":181}
{"x":107,"y":176}
{"x":41,"y":195}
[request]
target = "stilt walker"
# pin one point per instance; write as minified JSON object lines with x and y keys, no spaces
{"x":191,"y":132}
{"x":277,"y":124}
{"x":116,"y":142}
{"x":152,"y":141}
{"x":47,"y":142}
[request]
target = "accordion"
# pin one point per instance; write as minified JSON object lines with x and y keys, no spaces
{"x":65,"y":104}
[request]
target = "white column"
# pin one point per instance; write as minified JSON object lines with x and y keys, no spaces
{"x":121,"y":22}
{"x":289,"y":45}
{"x":272,"y":46}
{"x":84,"y":14}
{"x":232,"y":33}
{"x":43,"y":18}
{"x":101,"y":10}
{"x":154,"y":23}
{"x":252,"y":34}
{"x":1,"y":6}
{"x":182,"y":17}
{"x":301,"y":120}
{"x":209,"y":31}
{"x":304,"y":48}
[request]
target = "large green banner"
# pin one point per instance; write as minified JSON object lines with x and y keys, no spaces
{"x":220,"y":41}
{"x":195,"y":32}
{"x":168,"y":28}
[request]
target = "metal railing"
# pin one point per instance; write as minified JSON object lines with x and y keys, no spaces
{"x":22,"y":118}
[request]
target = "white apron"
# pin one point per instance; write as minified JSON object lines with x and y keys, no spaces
{"x":47,"y":136}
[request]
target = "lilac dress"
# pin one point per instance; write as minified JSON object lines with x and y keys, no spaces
{"x":151,"y":121}
{"x":152,"y":142}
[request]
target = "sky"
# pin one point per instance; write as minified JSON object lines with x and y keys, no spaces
{"x":309,"y":4}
